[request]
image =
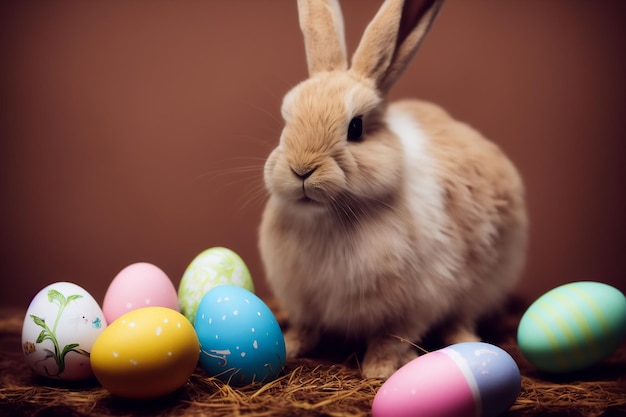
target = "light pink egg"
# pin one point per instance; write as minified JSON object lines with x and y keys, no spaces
{"x":138,"y":285}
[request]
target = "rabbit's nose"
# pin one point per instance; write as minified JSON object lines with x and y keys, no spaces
{"x":304,"y":172}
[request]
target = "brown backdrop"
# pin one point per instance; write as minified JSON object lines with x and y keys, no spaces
{"x":136,"y":131}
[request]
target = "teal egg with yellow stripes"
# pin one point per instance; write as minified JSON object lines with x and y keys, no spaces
{"x":573,"y":326}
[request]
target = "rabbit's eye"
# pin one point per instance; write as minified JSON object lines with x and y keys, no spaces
{"x":355,"y":129}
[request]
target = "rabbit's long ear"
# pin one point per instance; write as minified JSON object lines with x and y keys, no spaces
{"x":321,"y":23}
{"x":392,"y":38}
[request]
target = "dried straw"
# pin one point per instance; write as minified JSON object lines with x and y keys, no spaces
{"x":307,"y":387}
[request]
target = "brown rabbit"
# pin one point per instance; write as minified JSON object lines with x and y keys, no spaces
{"x":383,"y":220}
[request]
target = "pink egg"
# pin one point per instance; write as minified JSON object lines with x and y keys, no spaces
{"x":138,"y":285}
{"x":467,"y":379}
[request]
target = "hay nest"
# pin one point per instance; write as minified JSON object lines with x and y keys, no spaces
{"x":318,"y":386}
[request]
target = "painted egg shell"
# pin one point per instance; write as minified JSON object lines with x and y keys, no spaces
{"x":146,"y":353}
{"x":138,"y":285}
{"x":573,"y":326}
{"x":467,"y":379}
{"x":60,"y":327}
{"x":213,"y":267}
{"x":240,"y":339}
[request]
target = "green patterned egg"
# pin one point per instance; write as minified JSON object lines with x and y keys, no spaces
{"x":213,"y":267}
{"x":573,"y":326}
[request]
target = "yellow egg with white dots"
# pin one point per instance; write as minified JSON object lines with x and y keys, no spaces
{"x":146,"y":353}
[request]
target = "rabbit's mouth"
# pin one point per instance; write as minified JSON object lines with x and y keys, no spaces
{"x":309,"y":199}
{"x":306,"y":200}
{"x":308,"y":194}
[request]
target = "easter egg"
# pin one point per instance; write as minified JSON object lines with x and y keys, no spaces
{"x":213,"y":267}
{"x":240,"y":339}
{"x":573,"y":326}
{"x":138,"y":285}
{"x":61,"y":325}
{"x":471,"y":379}
{"x":146,"y":353}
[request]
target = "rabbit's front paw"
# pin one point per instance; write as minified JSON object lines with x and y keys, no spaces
{"x":299,"y":341}
{"x":384,"y":356}
{"x":461,"y":333}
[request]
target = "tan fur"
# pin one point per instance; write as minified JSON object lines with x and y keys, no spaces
{"x":484,"y":197}
{"x":420,"y":223}
{"x":392,"y":50}
{"x":322,"y":27}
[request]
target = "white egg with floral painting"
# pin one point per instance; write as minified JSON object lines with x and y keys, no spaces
{"x":61,"y":325}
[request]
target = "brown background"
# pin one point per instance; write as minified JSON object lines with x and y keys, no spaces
{"x":136,"y":131}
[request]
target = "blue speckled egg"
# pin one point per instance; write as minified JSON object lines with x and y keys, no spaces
{"x":573,"y":326}
{"x":240,"y":339}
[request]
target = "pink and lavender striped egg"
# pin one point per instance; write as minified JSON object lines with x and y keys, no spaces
{"x":473,"y":379}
